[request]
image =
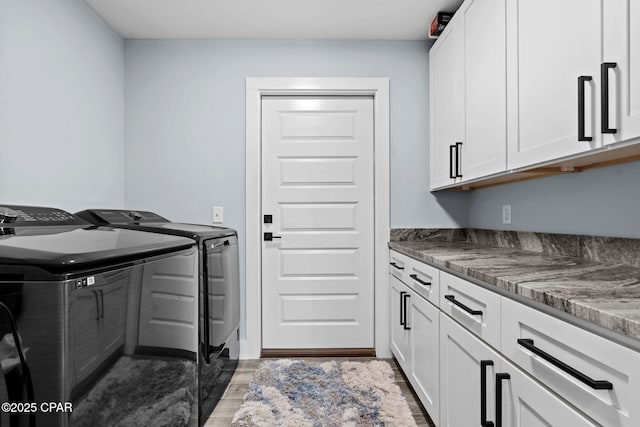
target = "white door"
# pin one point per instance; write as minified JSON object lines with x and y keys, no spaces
{"x":446,"y":88}
{"x":485,"y":145}
{"x":622,"y":48}
{"x":464,"y":360}
{"x":400,"y":335}
{"x":424,"y":323}
{"x":551,"y":44}
{"x":317,"y":185}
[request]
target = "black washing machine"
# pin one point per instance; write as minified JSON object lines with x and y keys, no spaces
{"x":219,"y":293}
{"x":100,"y":320}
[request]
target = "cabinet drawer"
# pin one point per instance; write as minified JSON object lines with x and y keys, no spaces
{"x":398,"y":264}
{"x":422,"y":278}
{"x":588,"y":355}
{"x":475,"y":308}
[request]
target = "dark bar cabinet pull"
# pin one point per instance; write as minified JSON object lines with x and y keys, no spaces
{"x":404,"y":303}
{"x":581,"y":106}
{"x":402,"y":321}
{"x":396,"y":266}
{"x":594,"y":384}
{"x":422,"y":282}
{"x":458,"y":159}
{"x":499,"y":378}
{"x":452,"y":153}
{"x":452,"y":298}
{"x":483,"y":393}
{"x":604,"y":96}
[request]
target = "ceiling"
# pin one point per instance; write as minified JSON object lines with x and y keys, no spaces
{"x":272,"y":19}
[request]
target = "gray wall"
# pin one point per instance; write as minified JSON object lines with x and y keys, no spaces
{"x":185,"y":123}
{"x":61,"y":106}
{"x":603,"y":202}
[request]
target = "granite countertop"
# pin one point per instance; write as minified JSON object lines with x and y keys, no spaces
{"x":604,"y":294}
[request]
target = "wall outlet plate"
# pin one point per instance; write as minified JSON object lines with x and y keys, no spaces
{"x":506,"y":214}
{"x":218,"y":212}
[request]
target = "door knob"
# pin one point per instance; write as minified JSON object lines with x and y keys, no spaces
{"x":268,"y":236}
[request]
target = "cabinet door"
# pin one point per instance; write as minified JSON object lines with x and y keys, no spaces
{"x":485,"y":144}
{"x":461,"y":371}
{"x":525,"y":403}
{"x":400,"y":336}
{"x":424,"y":321}
{"x":86,"y":332}
{"x":549,"y":45}
{"x":446,"y":89}
{"x":622,"y":48}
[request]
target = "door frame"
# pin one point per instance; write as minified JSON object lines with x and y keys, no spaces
{"x":256,"y":88}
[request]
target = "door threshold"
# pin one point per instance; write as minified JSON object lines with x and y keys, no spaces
{"x":267,"y":353}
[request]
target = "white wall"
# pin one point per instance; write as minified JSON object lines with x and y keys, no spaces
{"x":61,"y":106}
{"x":185,"y":123}
{"x":602,"y":202}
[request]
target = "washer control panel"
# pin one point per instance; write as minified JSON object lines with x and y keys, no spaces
{"x":120,"y":216}
{"x":33,"y":216}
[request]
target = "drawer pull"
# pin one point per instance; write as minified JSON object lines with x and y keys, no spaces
{"x":422,"y":282}
{"x":595,"y":384}
{"x":404,"y":302}
{"x":499,"y":378}
{"x":483,"y":393}
{"x":396,"y":266}
{"x":452,"y":298}
{"x":604,"y":96}
{"x":402,"y":321}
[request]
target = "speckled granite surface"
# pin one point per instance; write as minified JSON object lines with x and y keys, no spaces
{"x":604,"y":293}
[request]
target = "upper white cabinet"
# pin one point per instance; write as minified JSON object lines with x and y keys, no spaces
{"x":446,"y":89}
{"x":621,"y":70}
{"x":550,"y":45}
{"x":468,"y":95}
{"x":526,"y":88}
{"x":484,"y":147}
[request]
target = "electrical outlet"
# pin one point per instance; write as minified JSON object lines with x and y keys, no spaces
{"x":506,"y":214}
{"x":217,"y":214}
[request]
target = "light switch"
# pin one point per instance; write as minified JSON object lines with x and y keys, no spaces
{"x":506,"y":214}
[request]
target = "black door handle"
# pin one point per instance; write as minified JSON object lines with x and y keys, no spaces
{"x":499,"y":378}
{"x":393,"y":264}
{"x":404,"y":303}
{"x":483,"y":393}
{"x":604,"y":96}
{"x":422,"y":282}
{"x":581,"y":106}
{"x":452,"y":153}
{"x":458,"y":159}
{"x":595,"y":384}
{"x":268,"y":236}
{"x":452,"y":298}
{"x":402,"y":294}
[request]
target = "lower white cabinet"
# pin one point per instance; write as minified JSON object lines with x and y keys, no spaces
{"x":481,"y":359}
{"x":415,"y":327}
{"x":424,"y":376}
{"x":465,"y":398}
{"x":523,"y":402}
{"x":400,"y":335}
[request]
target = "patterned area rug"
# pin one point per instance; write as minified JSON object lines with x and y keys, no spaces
{"x":295,"y":393}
